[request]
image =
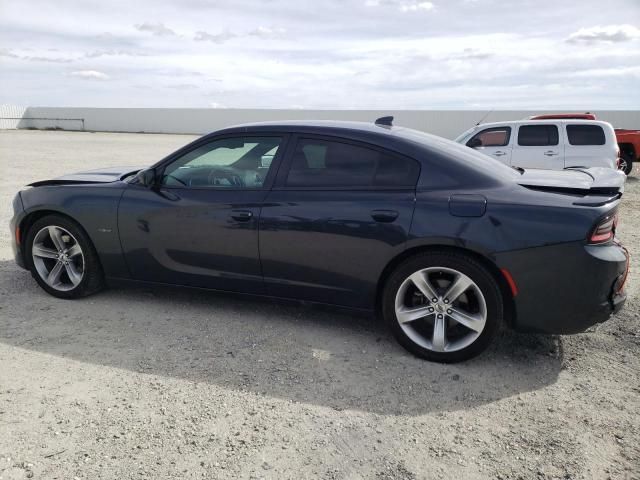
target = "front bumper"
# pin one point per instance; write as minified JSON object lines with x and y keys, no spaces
{"x":566,"y":288}
{"x":18,"y":215}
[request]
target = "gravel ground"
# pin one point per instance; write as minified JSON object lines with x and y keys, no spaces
{"x":187,"y":384}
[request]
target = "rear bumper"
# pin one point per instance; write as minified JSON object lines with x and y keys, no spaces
{"x":566,"y":288}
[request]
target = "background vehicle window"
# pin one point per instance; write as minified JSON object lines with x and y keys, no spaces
{"x":318,"y":163}
{"x":585,"y":135}
{"x":537,"y":135}
{"x":491,"y":137}
{"x":239,"y":162}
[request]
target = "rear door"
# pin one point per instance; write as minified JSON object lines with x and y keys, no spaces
{"x":538,"y":146}
{"x":493,"y":141}
{"x":339,"y":211}
{"x":587,"y":146}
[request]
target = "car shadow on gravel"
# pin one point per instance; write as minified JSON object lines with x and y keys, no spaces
{"x":295,"y":352}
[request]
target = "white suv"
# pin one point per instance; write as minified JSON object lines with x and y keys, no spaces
{"x":548,"y":144}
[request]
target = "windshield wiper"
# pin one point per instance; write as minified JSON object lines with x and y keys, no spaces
{"x":519,"y":169}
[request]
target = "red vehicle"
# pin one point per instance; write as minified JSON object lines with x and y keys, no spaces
{"x":628,"y":140}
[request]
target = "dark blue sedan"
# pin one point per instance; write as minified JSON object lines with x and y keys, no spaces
{"x":446,"y":244}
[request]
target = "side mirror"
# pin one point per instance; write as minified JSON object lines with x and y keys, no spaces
{"x":147,"y":177}
{"x":474,"y":142}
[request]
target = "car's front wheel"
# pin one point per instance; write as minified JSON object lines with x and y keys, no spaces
{"x":443,"y":306}
{"x":61,"y":258}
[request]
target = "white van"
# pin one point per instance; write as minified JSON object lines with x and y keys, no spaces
{"x":548,"y":144}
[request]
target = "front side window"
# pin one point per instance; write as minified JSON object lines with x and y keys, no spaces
{"x":320,"y":163}
{"x":585,"y":135}
{"x":491,"y":137}
{"x":238,"y":162}
{"x":537,"y":135}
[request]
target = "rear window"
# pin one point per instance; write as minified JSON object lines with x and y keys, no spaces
{"x":321,"y":163}
{"x":537,"y":135}
{"x":585,"y":135}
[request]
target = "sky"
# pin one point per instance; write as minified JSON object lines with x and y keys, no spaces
{"x":349,"y":54}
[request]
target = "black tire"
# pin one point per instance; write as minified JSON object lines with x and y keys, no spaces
{"x":449,"y":260}
{"x":92,"y":278}
{"x":627,"y":167}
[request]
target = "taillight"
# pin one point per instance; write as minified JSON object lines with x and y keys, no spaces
{"x":605,"y":229}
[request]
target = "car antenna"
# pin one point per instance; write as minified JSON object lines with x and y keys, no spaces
{"x":385,"y":121}
{"x":483,"y":118}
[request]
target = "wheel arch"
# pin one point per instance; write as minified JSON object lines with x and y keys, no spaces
{"x":630,"y":149}
{"x":27,"y":222}
{"x":492,"y":268}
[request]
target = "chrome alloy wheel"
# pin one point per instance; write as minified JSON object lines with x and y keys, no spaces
{"x":58,"y":258}
{"x":441,"y":309}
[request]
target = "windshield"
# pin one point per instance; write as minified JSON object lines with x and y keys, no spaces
{"x":461,"y":137}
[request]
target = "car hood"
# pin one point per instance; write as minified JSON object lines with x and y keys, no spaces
{"x":580,"y":179}
{"x":103,"y":175}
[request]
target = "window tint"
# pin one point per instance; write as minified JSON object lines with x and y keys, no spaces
{"x":319,"y":163}
{"x":585,"y":135}
{"x":239,"y":162}
{"x":491,"y":137}
{"x":537,"y":135}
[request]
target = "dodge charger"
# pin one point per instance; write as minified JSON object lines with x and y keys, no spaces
{"x":445,"y":244}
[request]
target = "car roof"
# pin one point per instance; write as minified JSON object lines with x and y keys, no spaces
{"x":306,"y":125}
{"x":580,"y":121}
{"x":406,"y":141}
{"x":385,"y":136}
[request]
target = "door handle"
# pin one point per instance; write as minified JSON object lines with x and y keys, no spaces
{"x":384,"y":216}
{"x":499,"y":153}
{"x":241,"y":215}
{"x":550,"y":153}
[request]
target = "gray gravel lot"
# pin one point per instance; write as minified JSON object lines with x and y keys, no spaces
{"x":188,"y":384}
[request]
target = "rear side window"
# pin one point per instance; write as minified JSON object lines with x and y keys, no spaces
{"x":491,"y":137}
{"x":320,"y":163}
{"x":585,"y":135}
{"x":537,"y":135}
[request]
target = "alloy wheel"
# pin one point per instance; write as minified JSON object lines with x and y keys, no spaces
{"x":441,"y":309}
{"x":58,"y":258}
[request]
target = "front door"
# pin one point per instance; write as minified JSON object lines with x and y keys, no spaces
{"x":538,"y":146}
{"x":338,"y":213}
{"x":199,"y":225}
{"x":493,"y":141}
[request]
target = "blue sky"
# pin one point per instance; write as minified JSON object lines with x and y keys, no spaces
{"x":383,"y":54}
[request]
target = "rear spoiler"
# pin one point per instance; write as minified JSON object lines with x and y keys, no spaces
{"x":591,"y":186}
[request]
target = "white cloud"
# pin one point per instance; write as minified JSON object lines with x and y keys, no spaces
{"x":267,"y":32}
{"x":402,"y":5}
{"x":214,"y":37}
{"x":157,"y":29}
{"x":608,"y":33}
{"x":90,"y":74}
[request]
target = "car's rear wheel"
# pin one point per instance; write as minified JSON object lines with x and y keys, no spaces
{"x":626,"y":163}
{"x":443,"y":306}
{"x":62,"y":259}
